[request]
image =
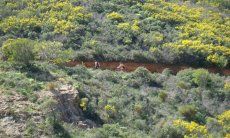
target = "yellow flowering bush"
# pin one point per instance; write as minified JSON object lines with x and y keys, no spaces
{"x":124,"y":26}
{"x":115,"y":16}
{"x":227,"y":86}
{"x":173,"y":13}
{"x":135,"y":26}
{"x":110,"y":110}
{"x":129,"y":26}
{"x":84,"y":103}
{"x":200,"y":30}
{"x":218,"y":60}
{"x":14,"y":23}
{"x":191,"y":128}
{"x":149,"y":7}
{"x":60,"y":15}
{"x":224,"y":120}
{"x":214,"y":54}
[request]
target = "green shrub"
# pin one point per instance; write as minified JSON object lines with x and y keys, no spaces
{"x":186,"y":75}
{"x":169,"y":131}
{"x":163,"y":96}
{"x":182,"y":85}
{"x":78,"y":72}
{"x":201,"y":77}
{"x":19,"y":50}
{"x":188,"y":111}
{"x":52,"y":51}
{"x":18,"y":81}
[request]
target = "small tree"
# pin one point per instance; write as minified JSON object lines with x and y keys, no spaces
{"x":18,"y":50}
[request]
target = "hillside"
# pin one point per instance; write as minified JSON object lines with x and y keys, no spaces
{"x":175,"y":84}
{"x":147,"y":30}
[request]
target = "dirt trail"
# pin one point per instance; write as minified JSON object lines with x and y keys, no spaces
{"x":131,"y":66}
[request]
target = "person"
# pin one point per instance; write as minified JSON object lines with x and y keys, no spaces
{"x":121,"y":67}
{"x":82,"y":63}
{"x":97,"y":64}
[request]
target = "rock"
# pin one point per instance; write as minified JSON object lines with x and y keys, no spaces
{"x":65,"y":88}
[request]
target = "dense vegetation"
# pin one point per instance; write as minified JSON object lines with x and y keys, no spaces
{"x":189,"y":32}
{"x":192,"y":103}
{"x":38,"y":36}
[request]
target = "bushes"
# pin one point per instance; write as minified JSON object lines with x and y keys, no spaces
{"x":163,"y":96}
{"x":18,"y":81}
{"x":156,"y":31}
{"x":52,"y":51}
{"x":198,"y":77}
{"x":224,"y":120}
{"x":169,"y":131}
{"x":201,"y":77}
{"x":78,"y":72}
{"x":115,"y":16}
{"x":221,"y":61}
{"x":188,"y":111}
{"x":191,"y":129}
{"x":116,"y":130}
{"x":24,"y":50}
{"x":108,"y":97}
{"x":84,"y":103}
{"x":193,"y":35}
{"x":139,"y":76}
{"x":19,"y":50}
{"x":218,"y":127}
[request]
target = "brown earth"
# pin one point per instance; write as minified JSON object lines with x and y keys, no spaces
{"x":131,"y":66}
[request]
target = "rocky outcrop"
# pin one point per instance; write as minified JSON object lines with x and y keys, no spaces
{"x":16,"y":110}
{"x":67,"y":98}
{"x":68,"y":106}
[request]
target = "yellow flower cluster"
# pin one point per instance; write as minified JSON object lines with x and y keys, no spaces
{"x":110,"y":108}
{"x":123,"y":26}
{"x":217,"y":59}
{"x":224,"y":120}
{"x":60,"y":15}
{"x":227,"y":86}
{"x":172,"y":12}
{"x":149,"y":7}
{"x":202,"y":30}
{"x":135,"y":26}
{"x":115,"y":16}
{"x":207,"y":32}
{"x":191,"y":128}
{"x":128,"y":26}
{"x":213,"y":53}
{"x":13,"y":22}
{"x":83,"y":103}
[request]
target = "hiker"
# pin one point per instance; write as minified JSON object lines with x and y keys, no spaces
{"x":97,"y":64}
{"x":121,"y":67}
{"x":82,"y":63}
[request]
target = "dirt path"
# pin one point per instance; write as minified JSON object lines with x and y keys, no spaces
{"x":131,"y":66}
